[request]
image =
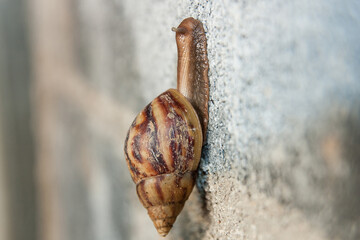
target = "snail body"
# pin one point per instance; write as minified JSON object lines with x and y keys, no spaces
{"x":163,"y":145}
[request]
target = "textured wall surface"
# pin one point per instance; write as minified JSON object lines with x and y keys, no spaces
{"x":282,"y":155}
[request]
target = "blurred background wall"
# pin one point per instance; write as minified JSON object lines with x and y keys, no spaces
{"x":18,"y":209}
{"x":282,"y":155}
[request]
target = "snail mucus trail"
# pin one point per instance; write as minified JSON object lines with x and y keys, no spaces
{"x":163,"y":144}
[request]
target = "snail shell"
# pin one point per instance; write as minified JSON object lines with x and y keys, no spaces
{"x":163,"y":149}
{"x":163,"y":144}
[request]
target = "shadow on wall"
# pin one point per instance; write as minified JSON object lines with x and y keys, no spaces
{"x":322,"y":178}
{"x":346,"y":187}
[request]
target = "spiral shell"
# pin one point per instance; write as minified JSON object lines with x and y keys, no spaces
{"x":163,"y":149}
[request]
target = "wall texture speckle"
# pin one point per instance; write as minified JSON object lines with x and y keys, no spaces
{"x":281,"y":159}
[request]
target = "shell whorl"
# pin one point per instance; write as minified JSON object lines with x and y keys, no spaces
{"x":164,"y":197}
{"x":163,"y":149}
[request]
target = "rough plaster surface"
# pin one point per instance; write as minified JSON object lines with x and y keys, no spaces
{"x":281,"y":159}
{"x":284,"y":102}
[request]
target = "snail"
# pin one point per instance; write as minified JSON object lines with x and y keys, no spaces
{"x":164,"y":142}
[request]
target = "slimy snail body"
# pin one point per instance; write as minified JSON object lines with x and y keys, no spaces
{"x":163,"y":145}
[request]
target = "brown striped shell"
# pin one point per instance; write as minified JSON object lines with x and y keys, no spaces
{"x":163,"y":149}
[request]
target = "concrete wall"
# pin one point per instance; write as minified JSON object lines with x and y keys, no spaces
{"x":282,"y":155}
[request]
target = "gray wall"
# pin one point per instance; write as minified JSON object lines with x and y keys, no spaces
{"x":18,"y":210}
{"x":282,"y":155}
